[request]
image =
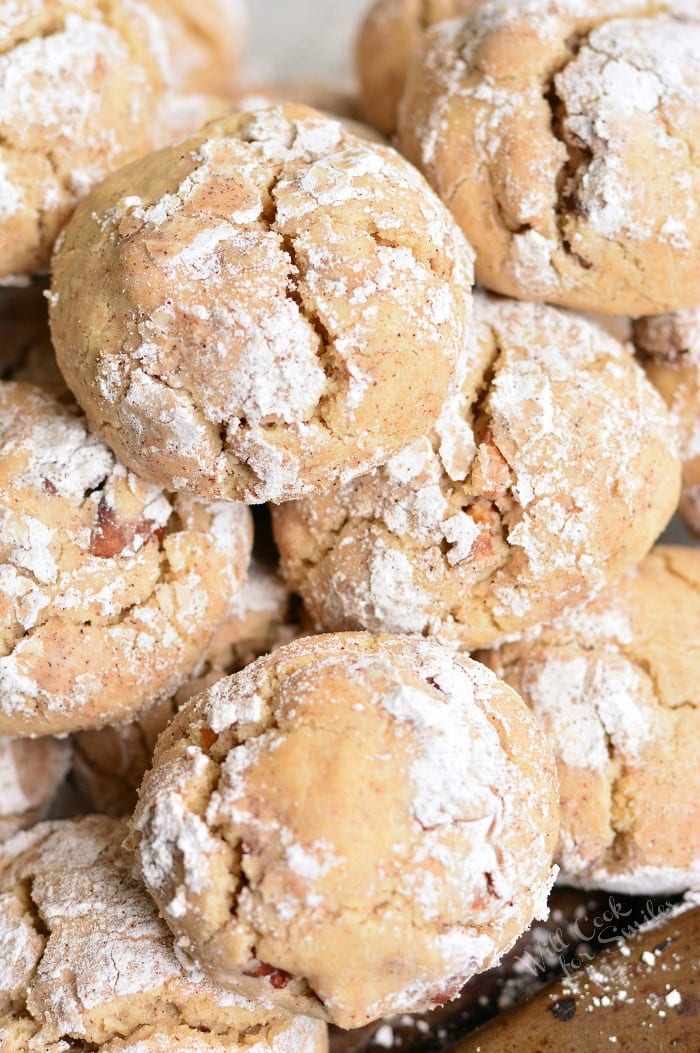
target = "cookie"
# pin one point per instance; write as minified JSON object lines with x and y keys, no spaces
{"x":550,"y":480}
{"x":31,"y":771}
{"x":80,"y":82}
{"x":353,"y":825}
{"x":616,"y":687}
{"x":559,"y":134}
{"x":109,"y":763}
{"x":26,"y":351}
{"x":669,"y":348}
{"x":205,"y":42}
{"x":288,"y":304}
{"x":389,"y":36}
{"x":88,"y":964}
{"x":110,"y":589}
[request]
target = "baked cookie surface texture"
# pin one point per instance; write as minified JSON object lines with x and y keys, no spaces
{"x":88,"y":964}
{"x":550,"y":479}
{"x":561,"y":136}
{"x":353,"y":825}
{"x":271,"y":305}
{"x":110,"y":589}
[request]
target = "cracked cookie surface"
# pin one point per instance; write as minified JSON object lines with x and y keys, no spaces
{"x":562,"y":137}
{"x":288,"y":304}
{"x":110,"y":588}
{"x":552,"y":476}
{"x":31,"y":771}
{"x":353,"y":825}
{"x":669,"y":348}
{"x":616,"y":687}
{"x":87,"y":964}
{"x":80,"y":81}
{"x":109,"y":763}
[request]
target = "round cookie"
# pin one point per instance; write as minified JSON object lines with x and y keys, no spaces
{"x":561,"y":137}
{"x":616,"y":687}
{"x":31,"y":771}
{"x":110,"y":589}
{"x":669,"y":348}
{"x":26,"y":351}
{"x":80,"y":82}
{"x":205,"y":42}
{"x":288,"y":304}
{"x":389,"y":37}
{"x":88,"y":964}
{"x":353,"y":825}
{"x":109,"y":763}
{"x":552,"y":478}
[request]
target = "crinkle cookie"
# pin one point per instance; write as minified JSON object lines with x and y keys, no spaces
{"x":31,"y":771}
{"x":109,"y":763}
{"x":669,"y":347}
{"x":110,"y":589}
{"x":389,"y":36}
{"x":561,"y":136}
{"x":616,"y":687}
{"x":87,"y":964}
{"x":79,"y":87}
{"x":26,"y":351}
{"x":288,"y":304}
{"x":353,"y":825}
{"x":205,"y":42}
{"x":552,"y":478}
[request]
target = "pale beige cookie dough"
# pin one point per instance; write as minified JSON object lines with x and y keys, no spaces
{"x":616,"y":687}
{"x":31,"y":771}
{"x":110,"y":589}
{"x":87,"y":964}
{"x":389,"y":36}
{"x":109,"y":763}
{"x":561,"y":135}
{"x":669,"y":348}
{"x":288,"y":304}
{"x":80,"y":83}
{"x":205,"y":42}
{"x":353,"y":825}
{"x":551,"y":479}
{"x":26,"y":351}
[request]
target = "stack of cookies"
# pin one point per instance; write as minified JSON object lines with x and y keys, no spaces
{"x":329,"y":771}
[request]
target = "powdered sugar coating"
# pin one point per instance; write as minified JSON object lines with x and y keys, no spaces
{"x":123,"y":582}
{"x":84,"y":956}
{"x":259,"y":835}
{"x":31,"y":771}
{"x":553,"y":156}
{"x":549,"y":477}
{"x":278,"y":246}
{"x":615,"y":687}
{"x":669,"y":348}
{"x":79,"y":86}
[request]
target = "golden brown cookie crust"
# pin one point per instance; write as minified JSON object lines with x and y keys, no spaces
{"x":88,"y":960}
{"x":616,"y":687}
{"x":31,"y":771}
{"x":80,"y":83}
{"x":110,"y":588}
{"x":669,"y":348}
{"x":561,"y":138}
{"x":553,"y":476}
{"x":205,"y":42}
{"x":259,"y":833}
{"x":306,"y":266}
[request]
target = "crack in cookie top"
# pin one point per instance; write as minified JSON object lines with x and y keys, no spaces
{"x":549,"y":477}
{"x":79,"y":86}
{"x":353,"y":825}
{"x":111,"y":588}
{"x":288,"y":304}
{"x":560,"y":135}
{"x":84,"y":958}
